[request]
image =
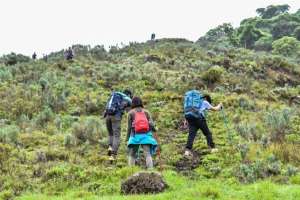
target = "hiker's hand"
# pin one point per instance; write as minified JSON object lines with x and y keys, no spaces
{"x":220,"y":106}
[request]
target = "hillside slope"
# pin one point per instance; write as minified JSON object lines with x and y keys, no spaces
{"x":53,"y":137}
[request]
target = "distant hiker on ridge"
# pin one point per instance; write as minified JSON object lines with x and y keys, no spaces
{"x":115,"y":107}
{"x":69,"y":55}
{"x":139,"y":133}
{"x":34,"y":56}
{"x":153,"y":36}
{"x":195,"y":105}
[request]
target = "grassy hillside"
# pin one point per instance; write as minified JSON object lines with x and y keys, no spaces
{"x":53,"y":138}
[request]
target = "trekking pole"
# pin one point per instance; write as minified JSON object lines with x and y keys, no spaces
{"x":225,"y":119}
{"x":158,"y":152}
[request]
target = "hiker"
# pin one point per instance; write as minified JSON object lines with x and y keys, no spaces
{"x":140,"y":133}
{"x":153,"y":36}
{"x":69,"y":55}
{"x":115,"y":107}
{"x":195,"y":105}
{"x":34,"y":56}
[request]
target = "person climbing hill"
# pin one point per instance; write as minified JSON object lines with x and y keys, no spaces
{"x":34,"y":55}
{"x":195,"y":105}
{"x":140,"y":133}
{"x":69,"y":54}
{"x":115,"y":108}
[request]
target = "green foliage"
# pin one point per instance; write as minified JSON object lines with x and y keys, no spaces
{"x":286,"y":46}
{"x":291,"y":170}
{"x":297,"y":33}
{"x":44,"y":117}
{"x":220,"y":33}
{"x":278,"y":122}
{"x":284,"y":28}
{"x":90,"y":129}
{"x":272,"y":11}
{"x":249,"y":34}
{"x":259,"y":169}
{"x":62,"y":147}
{"x":5,"y":74}
{"x":9,"y":134}
{"x":264,"y":43}
{"x":213,"y":74}
{"x":13,"y":58}
{"x":249,"y":131}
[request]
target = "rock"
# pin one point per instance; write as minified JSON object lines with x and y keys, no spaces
{"x":144,"y":183}
{"x":186,"y":164}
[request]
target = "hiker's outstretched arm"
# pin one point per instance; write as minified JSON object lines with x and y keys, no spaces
{"x":217,"y":108}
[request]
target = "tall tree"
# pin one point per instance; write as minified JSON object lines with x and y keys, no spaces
{"x":249,"y":35}
{"x":272,"y":11}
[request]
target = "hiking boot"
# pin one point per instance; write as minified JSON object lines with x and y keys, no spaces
{"x":109,"y":151}
{"x":214,"y":150}
{"x":188,"y":153}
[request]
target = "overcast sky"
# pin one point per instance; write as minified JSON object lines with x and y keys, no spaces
{"x":51,"y":25}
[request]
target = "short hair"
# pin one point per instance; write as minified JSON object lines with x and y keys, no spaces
{"x":207,"y":98}
{"x":137,"y":102}
{"x":128,"y":93}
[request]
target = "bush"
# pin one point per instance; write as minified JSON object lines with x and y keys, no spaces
{"x":44,"y":117}
{"x":213,"y":75}
{"x":291,"y":170}
{"x":69,"y":141}
{"x":278,"y":122}
{"x":90,"y":130}
{"x":297,"y":33}
{"x":259,"y":169}
{"x":9,"y":134}
{"x":5,"y":74}
{"x":249,"y":131}
{"x":12,"y":59}
{"x":264,"y":43}
{"x":286,"y":46}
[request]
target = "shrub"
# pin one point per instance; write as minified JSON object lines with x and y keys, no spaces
{"x":69,"y":140}
{"x":244,"y":149}
{"x":249,"y":131}
{"x":278,"y":122}
{"x":9,"y":134}
{"x":297,"y":33}
{"x":44,"y":117}
{"x":264,"y":43}
{"x":286,"y":46}
{"x":5,"y":74}
{"x":213,"y":75}
{"x":259,"y":169}
{"x":13,"y":58}
{"x":291,"y":170}
{"x":89,"y":130}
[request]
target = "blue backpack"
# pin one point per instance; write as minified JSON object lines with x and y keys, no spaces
{"x":193,"y":100}
{"x":114,"y":104}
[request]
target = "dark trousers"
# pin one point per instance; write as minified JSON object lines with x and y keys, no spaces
{"x":113,"y":125}
{"x":194,"y":125}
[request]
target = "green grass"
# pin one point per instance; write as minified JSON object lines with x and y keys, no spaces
{"x":184,"y":189}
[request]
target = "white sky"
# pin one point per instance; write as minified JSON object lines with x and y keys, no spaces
{"x":51,"y":25}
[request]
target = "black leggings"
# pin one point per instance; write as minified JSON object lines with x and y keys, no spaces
{"x":194,"y":125}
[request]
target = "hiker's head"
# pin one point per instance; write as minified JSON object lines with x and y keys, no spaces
{"x":128,"y":93}
{"x":137,"y":102}
{"x":207,"y":98}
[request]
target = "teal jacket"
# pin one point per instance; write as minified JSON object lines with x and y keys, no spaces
{"x":140,"y":139}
